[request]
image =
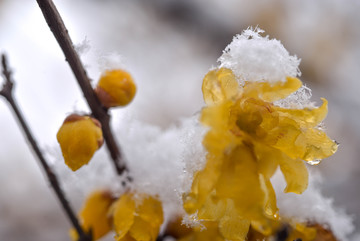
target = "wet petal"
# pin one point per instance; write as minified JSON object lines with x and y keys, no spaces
{"x":123,"y":216}
{"x":295,"y":173}
{"x":318,"y":145}
{"x":307,"y":117}
{"x":234,"y":228}
{"x":219,"y":85}
{"x":271,"y":92}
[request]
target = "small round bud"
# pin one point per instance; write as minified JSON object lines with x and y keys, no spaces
{"x":79,"y":138}
{"x":115,"y":88}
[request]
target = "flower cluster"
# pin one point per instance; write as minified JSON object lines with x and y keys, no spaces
{"x":135,"y":217}
{"x":248,"y":139}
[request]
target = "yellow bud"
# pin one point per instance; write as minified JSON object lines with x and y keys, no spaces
{"x":115,"y":88}
{"x":79,"y":137}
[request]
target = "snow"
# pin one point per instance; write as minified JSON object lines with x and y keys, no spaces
{"x":313,"y":206}
{"x":255,"y":58}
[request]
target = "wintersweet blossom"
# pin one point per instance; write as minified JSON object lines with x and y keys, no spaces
{"x":248,"y":139}
{"x":94,"y":216}
{"x":137,"y":217}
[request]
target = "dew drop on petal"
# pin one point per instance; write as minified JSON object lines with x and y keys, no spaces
{"x":314,"y":162}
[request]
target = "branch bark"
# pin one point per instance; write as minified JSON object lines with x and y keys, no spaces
{"x":7,"y":92}
{"x":60,"y":32}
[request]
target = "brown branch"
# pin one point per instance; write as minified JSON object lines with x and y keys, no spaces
{"x":60,"y":32}
{"x":7,"y":91}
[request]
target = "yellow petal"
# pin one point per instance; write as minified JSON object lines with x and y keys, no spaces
{"x":239,"y":181}
{"x":234,"y":228}
{"x":79,"y":140}
{"x":213,"y":209}
{"x":123,"y":216}
{"x":151,"y":211}
{"x":93,"y":215}
{"x":307,"y":117}
{"x":270,"y":206}
{"x":203,"y":183}
{"x":284,"y":137}
{"x":302,"y":232}
{"x":231,"y":225}
{"x":127,"y":237}
{"x":318,"y":145}
{"x":295,"y":173}
{"x":219,"y":85}
{"x":116,"y":88}
{"x":271,"y":92}
{"x":267,"y":159}
{"x":142,"y":230}
{"x":209,"y":231}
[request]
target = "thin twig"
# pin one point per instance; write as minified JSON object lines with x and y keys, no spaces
{"x":60,"y":32}
{"x":7,"y":92}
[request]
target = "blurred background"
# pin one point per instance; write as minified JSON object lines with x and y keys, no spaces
{"x":168,"y":46}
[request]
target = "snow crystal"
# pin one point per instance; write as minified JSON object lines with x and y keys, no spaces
{"x":83,"y":47}
{"x":111,"y":61}
{"x":255,"y":58}
{"x":162,"y":162}
{"x":297,"y":100}
{"x":312,"y":206}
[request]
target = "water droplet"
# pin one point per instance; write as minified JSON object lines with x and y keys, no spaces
{"x":314,"y":162}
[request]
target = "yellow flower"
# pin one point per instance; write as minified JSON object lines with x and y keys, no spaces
{"x":248,"y":139}
{"x":137,"y":219}
{"x":79,"y":138}
{"x":115,"y":88}
{"x":94,"y":216}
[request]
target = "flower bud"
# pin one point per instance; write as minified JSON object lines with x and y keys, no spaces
{"x":115,"y":88}
{"x":79,"y":137}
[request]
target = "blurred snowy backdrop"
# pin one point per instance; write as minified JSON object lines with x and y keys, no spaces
{"x":168,"y":46}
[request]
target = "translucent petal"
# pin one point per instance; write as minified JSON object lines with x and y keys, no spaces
{"x":151,"y":211}
{"x":219,"y":85}
{"x":271,"y":92}
{"x":203,"y":183}
{"x":307,"y":117}
{"x":267,"y":159}
{"x":234,"y":228}
{"x":295,"y":173}
{"x":208,"y":231}
{"x":213,"y":209}
{"x":240,"y":182}
{"x":318,"y":145}
{"x":217,"y":116}
{"x":270,"y":206}
{"x":284,"y":137}
{"x":142,"y":230}
{"x":123,"y":216}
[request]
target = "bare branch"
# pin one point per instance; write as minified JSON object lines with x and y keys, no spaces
{"x":7,"y":93}
{"x":60,"y":32}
